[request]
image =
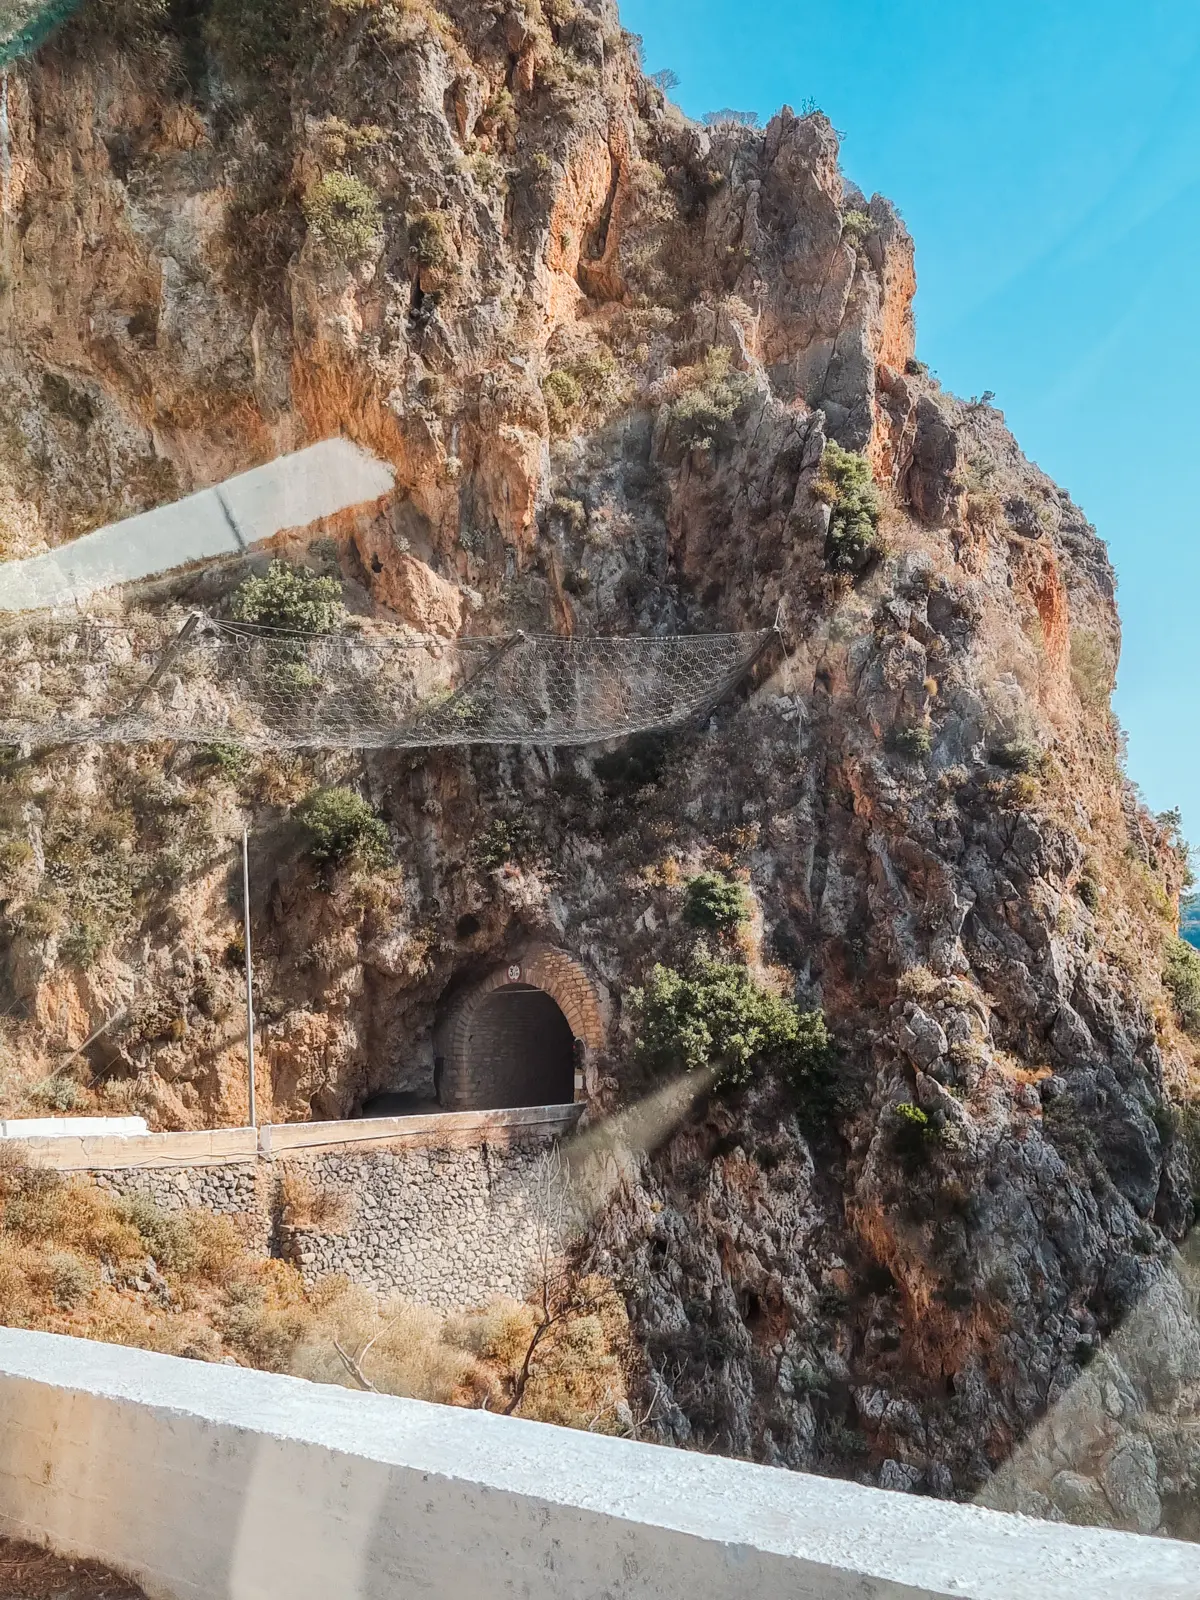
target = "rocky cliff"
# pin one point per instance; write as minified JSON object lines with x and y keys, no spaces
{"x":633,"y":375}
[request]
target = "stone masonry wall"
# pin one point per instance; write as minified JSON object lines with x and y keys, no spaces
{"x":447,"y":1227}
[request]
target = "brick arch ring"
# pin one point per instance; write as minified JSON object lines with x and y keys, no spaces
{"x":537,"y":966}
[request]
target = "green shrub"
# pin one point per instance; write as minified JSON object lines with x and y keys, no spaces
{"x":429,"y":239}
{"x":846,"y":485}
{"x":344,"y":213}
{"x":259,"y":36}
{"x":1019,"y":755}
{"x":915,"y":742}
{"x":342,"y":828}
{"x":232,"y":761}
{"x":1091,"y":669}
{"x":1181,"y":974}
{"x":704,"y":413}
{"x":1088,"y":891}
{"x":856,"y":225}
{"x":716,"y":1016}
{"x":56,"y":1093}
{"x":82,"y":943}
{"x":289,"y":598}
{"x":714,"y":902}
{"x":587,"y":383}
{"x":502,"y":842}
{"x":913,"y":1134}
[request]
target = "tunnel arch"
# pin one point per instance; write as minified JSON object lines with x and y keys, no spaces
{"x":518,"y":1037}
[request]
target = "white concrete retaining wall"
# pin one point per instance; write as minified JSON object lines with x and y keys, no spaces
{"x":206,"y":1482}
{"x":290,"y":492}
{"x":57,"y":1127}
{"x":82,"y":1150}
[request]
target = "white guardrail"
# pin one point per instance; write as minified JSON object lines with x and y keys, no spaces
{"x":219,"y":1483}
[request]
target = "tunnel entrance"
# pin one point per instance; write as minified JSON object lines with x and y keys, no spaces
{"x":518,"y":1037}
{"x":520,"y":1051}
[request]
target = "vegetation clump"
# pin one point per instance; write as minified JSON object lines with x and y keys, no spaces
{"x":847,"y":487}
{"x":501,"y":842}
{"x":913,"y":1133}
{"x":1181,"y":974}
{"x":1019,"y":755}
{"x":290,"y":599}
{"x":342,"y":828}
{"x":344,"y":214}
{"x":715,"y":903}
{"x":586,"y":384}
{"x":703,"y":415}
{"x":913,"y":742}
{"x":716,"y":1017}
{"x":76,"y":1260}
{"x":429,"y":240}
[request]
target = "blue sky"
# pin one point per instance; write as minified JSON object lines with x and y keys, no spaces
{"x":1046,"y":157}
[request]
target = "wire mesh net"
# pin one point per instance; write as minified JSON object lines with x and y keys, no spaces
{"x":214,"y":682}
{"x":24,"y":24}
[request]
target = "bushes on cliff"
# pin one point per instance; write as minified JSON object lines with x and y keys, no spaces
{"x":1181,"y":974}
{"x":704,"y":413}
{"x":291,"y":599}
{"x":342,"y":828}
{"x":847,"y":487}
{"x":344,"y":214}
{"x":715,"y":903}
{"x":717,"y":1017}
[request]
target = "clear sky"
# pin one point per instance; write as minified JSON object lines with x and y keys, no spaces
{"x":1046,"y":157}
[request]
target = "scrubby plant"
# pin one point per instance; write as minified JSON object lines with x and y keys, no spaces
{"x":702,"y":416}
{"x":717,"y":1017}
{"x":503,"y":841}
{"x":57,"y":1093}
{"x":914,"y":742}
{"x":588,"y":383}
{"x":715,"y":903}
{"x":429,"y":239}
{"x":262,"y":36}
{"x":913,"y":1133}
{"x":342,"y":828}
{"x":82,"y":944}
{"x":290,"y":599}
{"x":856,"y":225}
{"x":1181,"y":974}
{"x":1088,"y":891}
{"x":846,"y":485}
{"x":1019,"y":755}
{"x":344,"y":214}
{"x":1091,"y":668}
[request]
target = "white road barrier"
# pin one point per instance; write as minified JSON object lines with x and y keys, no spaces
{"x":290,"y":492}
{"x":206,"y":1482}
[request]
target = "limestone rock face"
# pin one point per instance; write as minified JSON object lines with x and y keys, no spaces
{"x":606,"y":351}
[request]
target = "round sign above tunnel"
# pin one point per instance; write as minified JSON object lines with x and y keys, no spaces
{"x":517,"y":1038}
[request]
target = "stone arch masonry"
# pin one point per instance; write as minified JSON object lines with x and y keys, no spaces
{"x":463,"y":1082}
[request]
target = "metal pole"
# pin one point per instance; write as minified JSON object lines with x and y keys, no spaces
{"x":249,"y":970}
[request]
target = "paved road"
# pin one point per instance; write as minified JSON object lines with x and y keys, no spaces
{"x":290,"y":492}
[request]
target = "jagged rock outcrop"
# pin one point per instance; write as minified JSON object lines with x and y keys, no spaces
{"x":606,"y":351}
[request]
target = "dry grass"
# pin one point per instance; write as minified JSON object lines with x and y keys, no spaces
{"x":76,"y":1260}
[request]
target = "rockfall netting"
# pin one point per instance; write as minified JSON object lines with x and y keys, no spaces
{"x":212,"y":682}
{"x":24,"y":24}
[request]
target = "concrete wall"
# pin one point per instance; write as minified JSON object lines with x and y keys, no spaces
{"x":287,"y":493}
{"x":205,"y":1482}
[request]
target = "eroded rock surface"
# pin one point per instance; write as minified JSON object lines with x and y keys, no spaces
{"x":605,"y":350}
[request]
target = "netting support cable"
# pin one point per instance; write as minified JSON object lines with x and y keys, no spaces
{"x":164,"y":661}
{"x":743,"y":670}
{"x":404,"y":736}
